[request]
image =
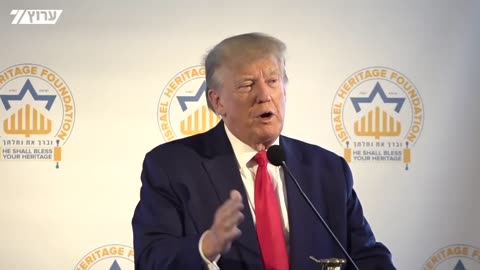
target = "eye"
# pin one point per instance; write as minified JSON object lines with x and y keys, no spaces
{"x":246,"y":86}
{"x":273,"y":81}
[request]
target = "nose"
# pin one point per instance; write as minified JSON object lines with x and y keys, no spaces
{"x":263,"y":92}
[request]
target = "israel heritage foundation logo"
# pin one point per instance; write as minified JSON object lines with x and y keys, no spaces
{"x":454,"y":257}
{"x":37,"y":113}
{"x":110,"y":257}
{"x":182,"y":108}
{"x":377,"y":115}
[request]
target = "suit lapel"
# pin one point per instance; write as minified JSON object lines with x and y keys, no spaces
{"x":224,"y":174}
{"x":304,"y":227}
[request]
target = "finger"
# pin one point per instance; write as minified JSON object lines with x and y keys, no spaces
{"x":230,"y":206}
{"x":224,"y":210}
{"x":230,"y":216}
{"x":235,"y":200}
{"x":235,"y":195}
{"x":227,"y":214}
{"x":233,"y":234}
{"x":236,"y":219}
{"x":236,"y":233}
{"x":228,"y":209}
{"x":233,"y":221}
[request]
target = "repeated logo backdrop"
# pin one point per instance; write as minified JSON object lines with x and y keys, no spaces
{"x":39,"y":111}
{"x":182,"y":109}
{"x":378,"y":114}
{"x":87,"y":88}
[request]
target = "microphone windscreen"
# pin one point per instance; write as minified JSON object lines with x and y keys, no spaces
{"x":276,"y":155}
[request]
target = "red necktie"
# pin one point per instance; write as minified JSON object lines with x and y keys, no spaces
{"x":269,"y":221}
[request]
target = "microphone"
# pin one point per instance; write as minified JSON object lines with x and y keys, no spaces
{"x":276,"y":156}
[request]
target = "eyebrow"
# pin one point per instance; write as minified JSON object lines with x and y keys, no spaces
{"x":274,"y":72}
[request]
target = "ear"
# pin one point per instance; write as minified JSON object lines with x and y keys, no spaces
{"x":216,"y":101}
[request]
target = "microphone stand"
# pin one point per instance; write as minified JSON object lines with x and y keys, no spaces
{"x":325,"y":263}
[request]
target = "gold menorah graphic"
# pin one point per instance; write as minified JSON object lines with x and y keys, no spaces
{"x":376,"y":124}
{"x":199,"y":121}
{"x":27,"y":121}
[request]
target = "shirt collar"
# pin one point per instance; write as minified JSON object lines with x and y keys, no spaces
{"x":243,"y":152}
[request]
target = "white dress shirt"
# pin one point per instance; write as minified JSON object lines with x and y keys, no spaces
{"x":248,"y":168}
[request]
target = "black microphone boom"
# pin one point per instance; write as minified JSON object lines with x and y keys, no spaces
{"x":276,"y":156}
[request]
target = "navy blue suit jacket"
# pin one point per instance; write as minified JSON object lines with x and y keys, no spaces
{"x":185,"y":181}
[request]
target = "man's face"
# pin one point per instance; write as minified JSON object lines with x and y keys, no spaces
{"x":251,"y":100}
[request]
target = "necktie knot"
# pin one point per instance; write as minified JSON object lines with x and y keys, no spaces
{"x":261,"y":158}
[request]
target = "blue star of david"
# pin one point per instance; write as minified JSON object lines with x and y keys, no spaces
{"x":115,"y":266}
{"x":459,"y":266}
{"x":27,"y":87}
{"x":184,"y":99}
{"x":377,"y":90}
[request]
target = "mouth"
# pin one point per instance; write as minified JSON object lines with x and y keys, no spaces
{"x":266,"y":115}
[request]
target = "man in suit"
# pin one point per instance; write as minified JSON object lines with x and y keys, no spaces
{"x":210,"y":201}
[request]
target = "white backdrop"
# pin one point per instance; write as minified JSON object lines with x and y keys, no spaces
{"x":118,"y":58}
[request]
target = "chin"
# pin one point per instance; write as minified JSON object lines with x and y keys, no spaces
{"x":269,"y":133}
